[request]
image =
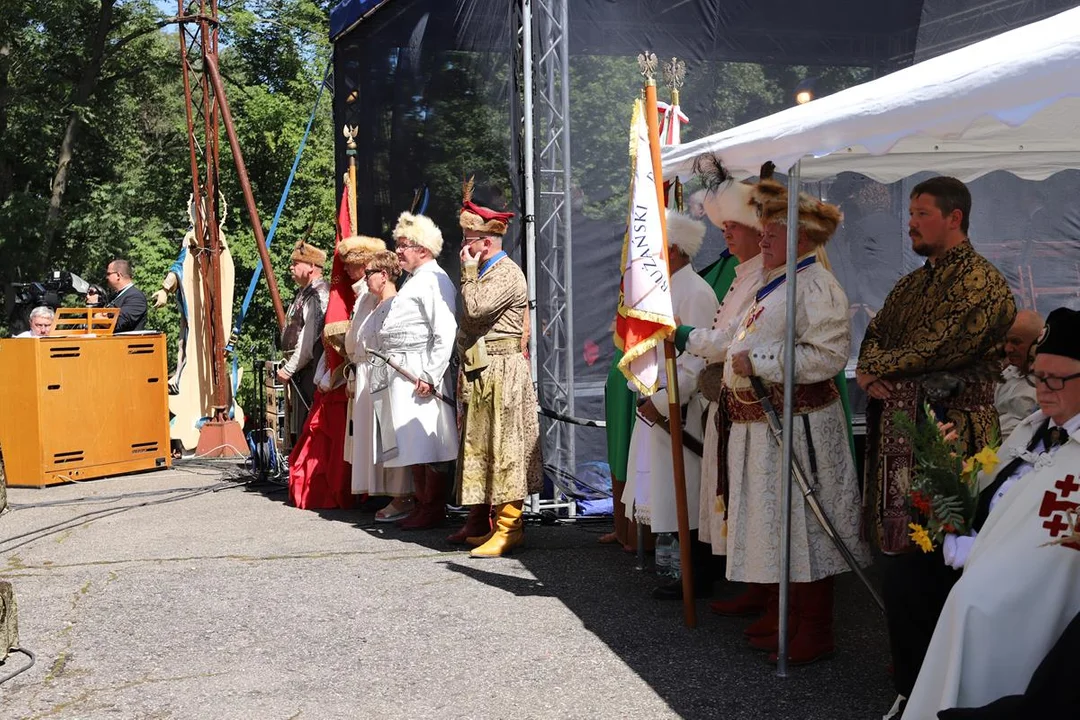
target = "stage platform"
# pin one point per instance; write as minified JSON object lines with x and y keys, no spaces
{"x":187,"y":594}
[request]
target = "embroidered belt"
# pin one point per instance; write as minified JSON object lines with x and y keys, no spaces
{"x":742,"y":406}
{"x":503,"y":346}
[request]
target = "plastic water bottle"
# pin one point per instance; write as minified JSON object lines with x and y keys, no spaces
{"x":663,"y":554}
{"x":675,"y":563}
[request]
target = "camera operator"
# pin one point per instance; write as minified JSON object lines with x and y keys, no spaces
{"x":42,"y":319}
{"x":128,"y":299}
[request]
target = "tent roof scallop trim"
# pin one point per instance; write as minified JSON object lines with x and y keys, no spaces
{"x":1011,"y":102}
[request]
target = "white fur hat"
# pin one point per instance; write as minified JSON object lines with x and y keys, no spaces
{"x":419,"y":229}
{"x":685,"y":232}
{"x":732,"y":202}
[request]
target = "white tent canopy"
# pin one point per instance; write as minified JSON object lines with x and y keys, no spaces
{"x":1011,"y":102}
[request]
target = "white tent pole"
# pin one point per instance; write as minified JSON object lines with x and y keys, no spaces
{"x":789,"y":402}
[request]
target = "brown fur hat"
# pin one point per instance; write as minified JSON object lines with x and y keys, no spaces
{"x":303,"y":252}
{"x":818,"y":219}
{"x":355,"y":250}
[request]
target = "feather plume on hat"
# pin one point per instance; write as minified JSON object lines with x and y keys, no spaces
{"x":475,"y":217}
{"x":726,"y":200}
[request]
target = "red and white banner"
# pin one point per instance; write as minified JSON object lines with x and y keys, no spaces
{"x":645,"y":315}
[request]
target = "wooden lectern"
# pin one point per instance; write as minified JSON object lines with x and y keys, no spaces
{"x":81,"y":407}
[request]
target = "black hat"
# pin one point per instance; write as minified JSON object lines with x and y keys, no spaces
{"x":1061,"y":336}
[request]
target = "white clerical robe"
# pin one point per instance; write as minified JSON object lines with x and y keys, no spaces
{"x":712,"y":345}
{"x":823,"y":342}
{"x":650,"y":486}
{"x":418,"y":334}
{"x":1014,"y":399}
{"x":1017,"y":593}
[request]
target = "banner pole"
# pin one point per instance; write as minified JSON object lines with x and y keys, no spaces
{"x":648,"y":63}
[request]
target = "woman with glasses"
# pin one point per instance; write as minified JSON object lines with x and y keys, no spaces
{"x":375,"y":290}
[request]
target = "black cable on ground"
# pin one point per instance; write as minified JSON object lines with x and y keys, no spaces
{"x":27,"y":653}
{"x":85,"y":518}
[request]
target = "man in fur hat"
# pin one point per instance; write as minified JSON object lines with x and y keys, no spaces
{"x":823,"y":341}
{"x":418,"y":335}
{"x":938,"y":338}
{"x":1020,"y":587}
{"x":301,"y":339}
{"x":499,"y":464}
{"x":734,"y":206}
{"x":650,"y":490}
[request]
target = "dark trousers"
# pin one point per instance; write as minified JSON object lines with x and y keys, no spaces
{"x":916,"y":587}
{"x":1052,"y":692}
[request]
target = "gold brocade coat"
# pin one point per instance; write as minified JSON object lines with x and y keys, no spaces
{"x":950,"y":316}
{"x":499,"y":460}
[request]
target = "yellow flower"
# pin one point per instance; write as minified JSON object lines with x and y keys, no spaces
{"x":988,"y":458}
{"x":969,"y":466}
{"x":920,"y":537}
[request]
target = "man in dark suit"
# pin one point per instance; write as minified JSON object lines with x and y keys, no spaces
{"x":127,"y":298}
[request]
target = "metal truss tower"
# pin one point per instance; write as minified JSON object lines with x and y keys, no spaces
{"x":545,"y":69}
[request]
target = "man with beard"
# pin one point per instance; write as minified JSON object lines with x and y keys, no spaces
{"x":938,"y":339}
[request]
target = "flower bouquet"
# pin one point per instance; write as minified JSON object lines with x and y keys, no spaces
{"x":944,"y":487}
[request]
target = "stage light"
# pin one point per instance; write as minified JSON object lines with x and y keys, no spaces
{"x":804,"y":91}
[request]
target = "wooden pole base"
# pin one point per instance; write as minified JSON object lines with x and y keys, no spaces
{"x":221,"y":439}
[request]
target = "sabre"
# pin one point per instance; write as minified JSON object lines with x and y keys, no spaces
{"x":410,"y":377}
{"x":808,"y":490}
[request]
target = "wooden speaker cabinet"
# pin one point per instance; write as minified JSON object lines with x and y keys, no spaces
{"x":75,"y":408}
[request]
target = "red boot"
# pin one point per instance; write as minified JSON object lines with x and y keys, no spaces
{"x":751,"y":602}
{"x":432,"y":512}
{"x":771,"y":642}
{"x":813,"y":638}
{"x":767,"y":623}
{"x":419,"y":485}
{"x":478,"y":522}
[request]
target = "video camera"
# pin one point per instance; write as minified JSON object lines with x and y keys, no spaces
{"x":21,"y":298}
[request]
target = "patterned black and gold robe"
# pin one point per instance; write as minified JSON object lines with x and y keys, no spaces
{"x":940,"y":337}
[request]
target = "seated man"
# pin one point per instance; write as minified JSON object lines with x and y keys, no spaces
{"x":1021,"y":583}
{"x":41,"y":322}
{"x":1014,"y":396}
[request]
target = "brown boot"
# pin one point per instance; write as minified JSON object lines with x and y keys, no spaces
{"x":813,"y":638}
{"x":509,"y":532}
{"x":770,"y":620}
{"x":478,"y":522}
{"x":751,"y":602}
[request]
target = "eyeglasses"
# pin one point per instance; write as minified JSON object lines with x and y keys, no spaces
{"x":1050,"y":381}
{"x":406,"y":246}
{"x":372,"y":271}
{"x":469,"y":241}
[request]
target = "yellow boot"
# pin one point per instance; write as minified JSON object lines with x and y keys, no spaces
{"x":508,"y":534}
{"x":478,"y":540}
